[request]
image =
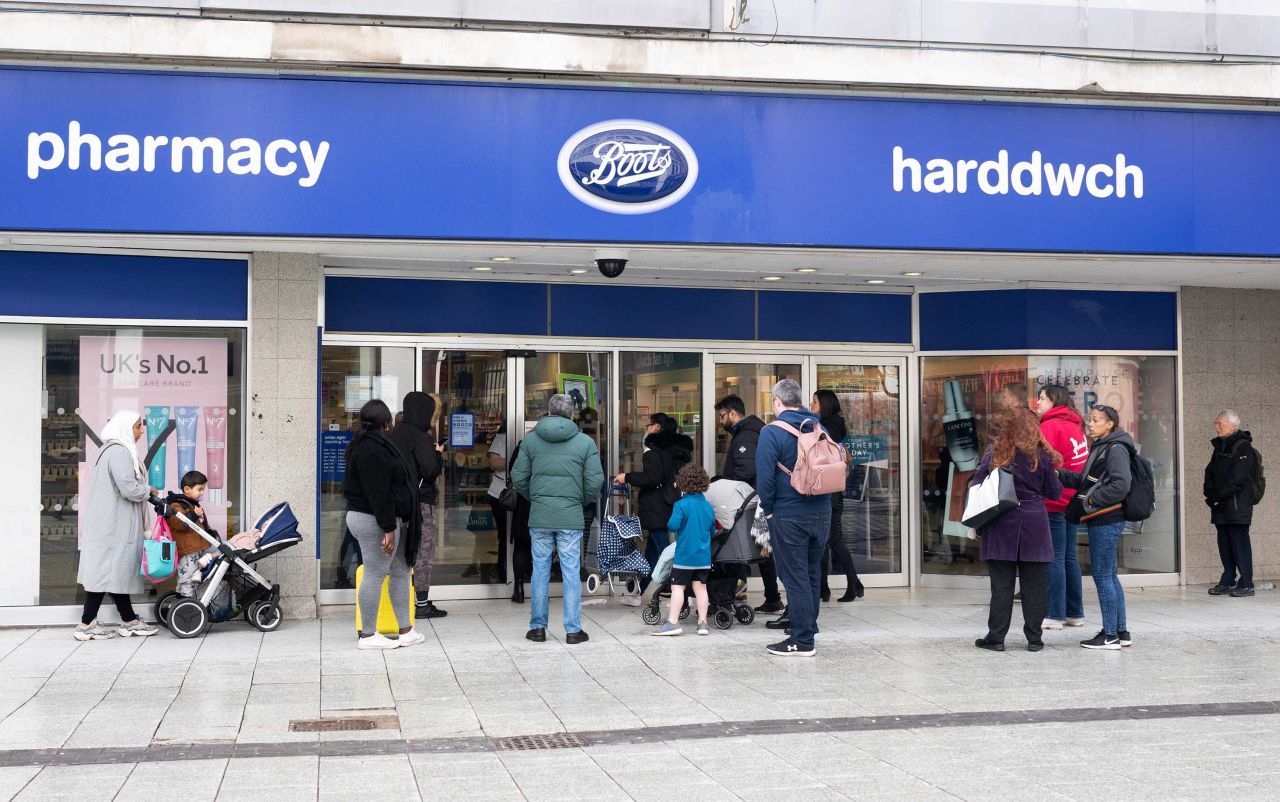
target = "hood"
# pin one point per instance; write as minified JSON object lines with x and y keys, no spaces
{"x":1065,"y":414}
{"x":1229,"y":442}
{"x":795,"y":417}
{"x":418,"y":409}
{"x":751,"y":424}
{"x":669,"y":440}
{"x":555,"y":429}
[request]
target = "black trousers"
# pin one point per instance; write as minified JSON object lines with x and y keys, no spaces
{"x":769,"y":575}
{"x":836,"y":548}
{"x":1035,"y":597}
{"x":1237,"y":554}
{"x":93,"y":601}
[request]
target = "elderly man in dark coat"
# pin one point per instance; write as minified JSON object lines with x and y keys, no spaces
{"x":1018,"y":543}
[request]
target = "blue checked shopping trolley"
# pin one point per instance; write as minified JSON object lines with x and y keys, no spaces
{"x":615,"y":550}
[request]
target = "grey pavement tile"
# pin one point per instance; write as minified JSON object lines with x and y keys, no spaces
{"x":193,"y":780}
{"x":14,"y":778}
{"x":372,"y":777}
{"x":81,"y":783}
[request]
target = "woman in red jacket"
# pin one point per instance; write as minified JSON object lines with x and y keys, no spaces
{"x":1063,"y":428}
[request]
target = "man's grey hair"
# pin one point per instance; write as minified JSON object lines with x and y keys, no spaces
{"x":1230,"y":416}
{"x":561,"y":405}
{"x":788,"y":392}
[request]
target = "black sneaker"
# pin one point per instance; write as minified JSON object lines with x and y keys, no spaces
{"x":576,"y":637}
{"x":789,"y":648}
{"x":771,"y":608}
{"x":990,"y":645}
{"x":1125,"y":638}
{"x":431,"y":611}
{"x":1221,"y":589}
{"x":1102,"y":641}
{"x":537,"y":635}
{"x":778,"y":623}
{"x":1241,"y":593}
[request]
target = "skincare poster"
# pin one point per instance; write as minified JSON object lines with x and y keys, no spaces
{"x":179,"y":387}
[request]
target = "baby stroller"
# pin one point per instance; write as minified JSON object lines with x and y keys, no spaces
{"x":731,"y":547}
{"x":189,"y":617}
{"x":615,"y":551}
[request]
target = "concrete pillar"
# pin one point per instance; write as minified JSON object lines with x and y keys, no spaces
{"x":1230,"y":360}
{"x":282,"y":408}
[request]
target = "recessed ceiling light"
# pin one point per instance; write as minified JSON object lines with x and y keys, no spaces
{"x":806,"y":270}
{"x":482,"y":268}
{"x":875,"y":281}
{"x":913,"y":273}
{"x":578,"y":271}
{"x":772,"y":278}
{"x":502,"y":258}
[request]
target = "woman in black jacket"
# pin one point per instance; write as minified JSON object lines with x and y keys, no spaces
{"x":383,"y":515}
{"x":666,"y":451}
{"x":413,"y":436}
{"x":827,"y":406}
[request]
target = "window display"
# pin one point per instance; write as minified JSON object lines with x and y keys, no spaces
{"x":662,"y":381}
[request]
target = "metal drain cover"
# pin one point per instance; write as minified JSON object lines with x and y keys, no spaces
{"x":553,"y":740}
{"x":344,"y":724}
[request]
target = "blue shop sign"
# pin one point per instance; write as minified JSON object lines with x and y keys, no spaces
{"x":144,"y":152}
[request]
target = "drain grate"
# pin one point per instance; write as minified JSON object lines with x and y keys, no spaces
{"x":553,"y":740}
{"x":344,"y":724}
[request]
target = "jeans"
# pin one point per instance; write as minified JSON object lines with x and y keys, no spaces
{"x":1034,"y":577}
{"x":799,"y":542}
{"x":1065,"y":594}
{"x":1104,"y":539}
{"x":568,"y":543}
{"x":1237,"y":554}
{"x":656,"y":543}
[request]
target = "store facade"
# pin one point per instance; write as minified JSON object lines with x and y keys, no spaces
{"x":311,"y":165}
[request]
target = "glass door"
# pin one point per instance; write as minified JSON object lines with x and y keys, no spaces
{"x":750,"y":378}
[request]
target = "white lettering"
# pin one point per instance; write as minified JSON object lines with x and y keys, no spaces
{"x":1031,"y":177}
{"x":1031,"y":172}
{"x":963,"y":168}
{"x":149,"y":146}
{"x":245,"y":158}
{"x":198,"y":148}
{"x":1059,"y":176}
{"x":626,"y":163}
{"x":77,"y":140}
{"x":900,"y":166}
{"x":272,"y":157}
{"x":1001,"y":168}
{"x":124,"y":155}
{"x":314,"y":162}
{"x":1125,"y":171}
{"x":36,"y":161}
{"x":1091,"y":179}
{"x":939,"y":177}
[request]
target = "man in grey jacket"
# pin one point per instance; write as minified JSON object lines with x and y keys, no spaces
{"x":559,"y":471}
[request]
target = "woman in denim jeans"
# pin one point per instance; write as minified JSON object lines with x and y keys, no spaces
{"x":1102,"y":488}
{"x":1064,"y":430}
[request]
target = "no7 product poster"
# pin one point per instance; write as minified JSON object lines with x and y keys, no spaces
{"x":179,"y":386}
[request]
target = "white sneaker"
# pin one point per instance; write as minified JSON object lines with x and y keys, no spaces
{"x":411,"y":638}
{"x":631,"y":600}
{"x":94,"y":631}
{"x":1051,"y":623}
{"x":136,"y":627}
{"x":1075,"y":622}
{"x":378,"y":641}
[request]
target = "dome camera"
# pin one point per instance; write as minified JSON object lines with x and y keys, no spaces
{"x":610,"y":262}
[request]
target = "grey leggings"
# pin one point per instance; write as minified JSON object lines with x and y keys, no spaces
{"x":377,"y":567}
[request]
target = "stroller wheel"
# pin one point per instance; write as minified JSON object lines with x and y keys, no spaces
{"x":593,"y":583}
{"x":684,"y":611}
{"x":165,"y":606}
{"x":633,"y":587}
{"x":723,"y":619}
{"x":265,"y":616}
{"x":744,"y":613}
{"x":188,"y":618}
{"x":650,"y":615}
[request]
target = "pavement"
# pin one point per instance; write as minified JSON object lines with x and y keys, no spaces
{"x":897,"y":704}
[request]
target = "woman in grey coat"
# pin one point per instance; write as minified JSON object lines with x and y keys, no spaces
{"x":112,"y":524}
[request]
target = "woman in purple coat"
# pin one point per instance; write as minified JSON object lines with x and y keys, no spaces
{"x":1018,"y":544}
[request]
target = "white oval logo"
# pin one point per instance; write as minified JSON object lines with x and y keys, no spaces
{"x":627,"y":166}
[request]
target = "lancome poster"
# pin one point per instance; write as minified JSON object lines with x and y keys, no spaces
{"x":179,"y":387}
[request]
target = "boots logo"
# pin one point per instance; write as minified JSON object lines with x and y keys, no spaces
{"x":627,"y":166}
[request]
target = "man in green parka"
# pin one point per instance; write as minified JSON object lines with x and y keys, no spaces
{"x":559,"y":471}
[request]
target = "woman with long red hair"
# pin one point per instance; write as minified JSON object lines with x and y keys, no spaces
{"x":1017,"y":545}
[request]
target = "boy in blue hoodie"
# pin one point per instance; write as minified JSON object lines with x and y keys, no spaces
{"x":693,"y":522}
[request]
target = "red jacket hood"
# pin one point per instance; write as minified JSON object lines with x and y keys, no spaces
{"x":1064,"y":429}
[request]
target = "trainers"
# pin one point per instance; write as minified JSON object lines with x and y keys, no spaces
{"x":1074,"y":622}
{"x":989,"y":645}
{"x":136,"y":627}
{"x":1241,"y":593}
{"x":431,"y":611}
{"x":1052,"y":623}
{"x":1102,"y":641}
{"x":789,"y":648}
{"x":94,"y":631}
{"x":771,"y":608}
{"x":1221,"y":589}
{"x":632,"y":600}
{"x":667,"y":629}
{"x":411,"y":638}
{"x":1125,"y":638}
{"x":702,"y":628}
{"x":378,"y":641}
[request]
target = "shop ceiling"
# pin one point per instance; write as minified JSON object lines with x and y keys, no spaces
{"x":712,"y":266}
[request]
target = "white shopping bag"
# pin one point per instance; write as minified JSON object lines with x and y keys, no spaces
{"x":989,"y":500}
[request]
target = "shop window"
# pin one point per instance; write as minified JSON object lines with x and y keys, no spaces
{"x":962,"y":396}
{"x":62,"y":385}
{"x":669,"y":382}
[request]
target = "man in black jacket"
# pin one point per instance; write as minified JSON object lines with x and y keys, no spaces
{"x":1228,"y":490}
{"x":740,"y":465}
{"x":413,"y":437}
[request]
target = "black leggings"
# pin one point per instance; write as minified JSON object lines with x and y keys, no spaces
{"x":93,"y":601}
{"x":836,"y":546}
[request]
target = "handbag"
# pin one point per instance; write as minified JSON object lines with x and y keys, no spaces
{"x":508,"y":498}
{"x":989,"y":500}
{"x":158,"y":553}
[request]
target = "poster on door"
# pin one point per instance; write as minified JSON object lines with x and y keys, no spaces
{"x":179,"y":387}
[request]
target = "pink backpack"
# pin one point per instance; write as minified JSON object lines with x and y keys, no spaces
{"x":820,"y":464}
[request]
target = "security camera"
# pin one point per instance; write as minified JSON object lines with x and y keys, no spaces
{"x":610,"y":262}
